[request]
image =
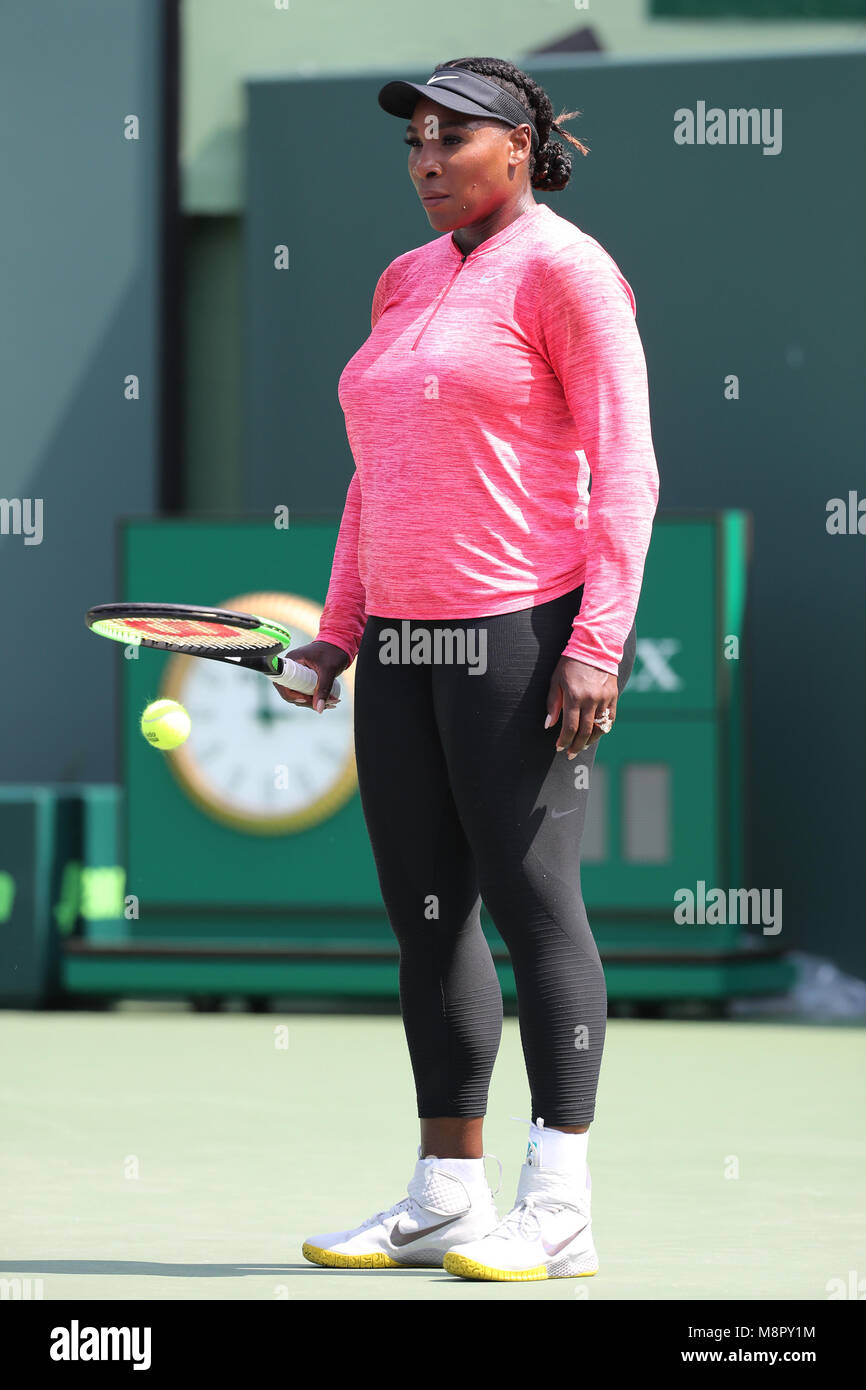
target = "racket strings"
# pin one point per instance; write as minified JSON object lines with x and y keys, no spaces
{"x":185,"y":632}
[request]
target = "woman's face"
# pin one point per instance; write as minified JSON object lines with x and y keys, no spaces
{"x":464,"y":167}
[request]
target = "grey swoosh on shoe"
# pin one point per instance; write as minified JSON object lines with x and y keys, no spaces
{"x":399,"y":1237}
{"x":560,"y":1245}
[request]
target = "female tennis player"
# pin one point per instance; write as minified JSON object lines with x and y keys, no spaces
{"x":488,"y":599}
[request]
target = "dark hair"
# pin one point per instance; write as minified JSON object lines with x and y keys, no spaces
{"x":550,"y":164}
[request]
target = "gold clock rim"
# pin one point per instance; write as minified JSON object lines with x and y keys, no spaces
{"x":306,"y":614}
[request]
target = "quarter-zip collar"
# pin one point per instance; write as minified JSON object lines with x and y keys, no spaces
{"x":498,"y":238}
{"x":457,"y":260}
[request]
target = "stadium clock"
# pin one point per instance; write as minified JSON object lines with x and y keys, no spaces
{"x":252,"y":761}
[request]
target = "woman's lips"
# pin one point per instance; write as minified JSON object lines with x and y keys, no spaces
{"x":434,"y":197}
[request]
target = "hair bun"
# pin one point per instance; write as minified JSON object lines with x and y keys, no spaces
{"x":552,"y":167}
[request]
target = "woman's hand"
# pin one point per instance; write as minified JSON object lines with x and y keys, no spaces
{"x":327,"y":661}
{"x":581,"y":694}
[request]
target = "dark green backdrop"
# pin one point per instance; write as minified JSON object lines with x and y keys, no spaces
{"x":80,"y":294}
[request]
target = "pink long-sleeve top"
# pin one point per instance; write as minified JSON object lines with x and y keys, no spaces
{"x":491,"y":387}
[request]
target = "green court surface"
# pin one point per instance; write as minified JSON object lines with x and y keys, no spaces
{"x":154,"y":1154}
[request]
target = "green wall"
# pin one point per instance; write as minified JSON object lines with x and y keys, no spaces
{"x":79,"y":290}
{"x":212,"y":318}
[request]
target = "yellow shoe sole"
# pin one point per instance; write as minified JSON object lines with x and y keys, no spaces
{"x":333,"y":1260}
{"x":471,"y":1269}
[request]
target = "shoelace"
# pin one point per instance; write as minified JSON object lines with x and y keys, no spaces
{"x":524,"y":1220}
{"x":500,"y":1171}
{"x":389,"y":1211}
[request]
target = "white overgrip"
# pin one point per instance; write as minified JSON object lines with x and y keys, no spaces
{"x":302,"y":678}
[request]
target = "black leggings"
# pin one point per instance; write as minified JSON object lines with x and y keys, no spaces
{"x":466,"y":799}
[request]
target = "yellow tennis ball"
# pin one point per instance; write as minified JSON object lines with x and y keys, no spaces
{"x":166,"y":724}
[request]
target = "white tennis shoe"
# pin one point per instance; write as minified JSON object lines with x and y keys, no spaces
{"x":546,"y":1235}
{"x":441,"y":1210}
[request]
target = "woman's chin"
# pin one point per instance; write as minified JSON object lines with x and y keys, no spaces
{"x":441,"y":212}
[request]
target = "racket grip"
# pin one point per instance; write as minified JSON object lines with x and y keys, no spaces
{"x":302,"y":678}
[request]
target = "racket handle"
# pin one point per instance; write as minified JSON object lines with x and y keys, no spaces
{"x":302,"y":678}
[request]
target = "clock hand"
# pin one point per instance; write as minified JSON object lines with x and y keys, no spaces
{"x":269,"y":710}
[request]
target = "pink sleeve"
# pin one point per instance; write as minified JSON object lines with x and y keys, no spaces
{"x":344,"y":614}
{"x":586,"y":322}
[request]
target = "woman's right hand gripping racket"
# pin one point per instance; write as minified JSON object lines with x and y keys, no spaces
{"x":325,"y":658}
{"x":218,"y":634}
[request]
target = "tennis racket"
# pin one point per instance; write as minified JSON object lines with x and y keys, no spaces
{"x":240,"y":639}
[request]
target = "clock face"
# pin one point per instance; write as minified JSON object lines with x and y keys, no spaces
{"x":252,"y":760}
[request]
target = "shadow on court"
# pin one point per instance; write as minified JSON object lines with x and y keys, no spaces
{"x":142,"y":1268}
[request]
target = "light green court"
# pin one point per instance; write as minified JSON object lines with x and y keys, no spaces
{"x":156,"y":1154}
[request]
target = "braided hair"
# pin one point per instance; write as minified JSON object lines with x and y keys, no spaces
{"x":550,"y":164}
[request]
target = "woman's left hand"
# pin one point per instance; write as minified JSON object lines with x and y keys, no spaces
{"x":581,"y":694}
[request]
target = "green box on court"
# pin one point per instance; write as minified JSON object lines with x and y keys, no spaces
{"x":246,"y":852}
